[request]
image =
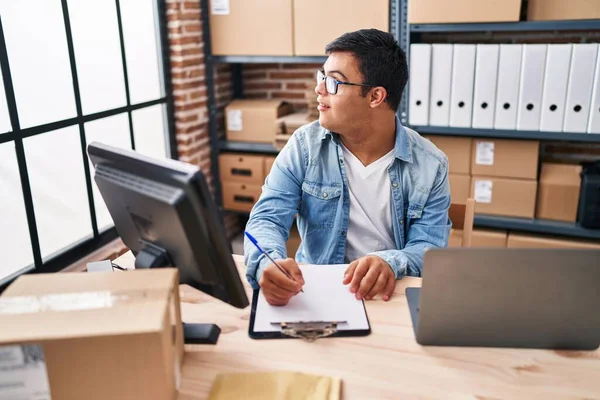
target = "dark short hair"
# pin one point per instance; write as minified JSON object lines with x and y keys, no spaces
{"x":381,"y":61}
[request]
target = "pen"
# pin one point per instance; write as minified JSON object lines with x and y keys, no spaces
{"x":285,"y":272}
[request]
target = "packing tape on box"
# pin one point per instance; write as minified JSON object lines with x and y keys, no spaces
{"x":72,"y":301}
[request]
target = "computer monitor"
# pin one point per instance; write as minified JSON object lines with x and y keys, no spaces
{"x":165,"y":214}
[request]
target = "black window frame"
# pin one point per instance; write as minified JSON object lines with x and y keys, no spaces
{"x":82,"y":248}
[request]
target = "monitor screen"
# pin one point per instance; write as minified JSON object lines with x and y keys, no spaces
{"x":164,"y":213}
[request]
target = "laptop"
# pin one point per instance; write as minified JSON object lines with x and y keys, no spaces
{"x":520,"y":298}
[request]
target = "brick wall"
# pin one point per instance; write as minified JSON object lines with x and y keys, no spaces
{"x":189,"y":89}
{"x":279,"y":81}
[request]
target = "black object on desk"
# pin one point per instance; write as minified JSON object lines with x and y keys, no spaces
{"x":165,"y":215}
{"x":589,"y":198}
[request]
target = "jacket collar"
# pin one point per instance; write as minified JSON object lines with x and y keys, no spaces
{"x":402,"y":147}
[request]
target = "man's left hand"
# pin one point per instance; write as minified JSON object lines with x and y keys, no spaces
{"x":369,"y":276}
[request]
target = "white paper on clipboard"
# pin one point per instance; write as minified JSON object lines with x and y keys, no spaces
{"x":325,"y":299}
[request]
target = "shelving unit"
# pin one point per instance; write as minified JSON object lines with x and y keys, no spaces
{"x":504,"y":134}
{"x":217,"y":143}
{"x":557,"y":228}
{"x":413,"y":34}
{"x":247,"y":147}
{"x":266,"y":59}
{"x":406,"y":34}
{"x":522,"y":26}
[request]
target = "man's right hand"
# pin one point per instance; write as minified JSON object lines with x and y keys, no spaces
{"x":277,"y":288}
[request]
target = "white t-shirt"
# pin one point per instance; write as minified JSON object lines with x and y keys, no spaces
{"x":370,"y":226}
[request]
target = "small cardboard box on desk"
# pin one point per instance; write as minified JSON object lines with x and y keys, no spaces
{"x":92,"y":336}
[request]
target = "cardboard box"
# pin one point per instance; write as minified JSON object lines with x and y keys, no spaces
{"x":501,"y":196}
{"x":254,"y":120}
{"x":317,"y":22}
{"x":444,"y":11}
{"x":558,"y":196}
{"x":258,"y":27}
{"x":240,"y":196}
{"x":269,"y":161}
{"x":541,"y":242}
{"x":505,"y":158}
{"x":460,"y":187}
{"x":479,"y":238}
{"x":458,"y":151}
{"x":96,"y":336}
{"x":544,"y":10}
{"x":243,"y":168}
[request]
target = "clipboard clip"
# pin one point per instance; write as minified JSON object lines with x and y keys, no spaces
{"x":309,"y":331}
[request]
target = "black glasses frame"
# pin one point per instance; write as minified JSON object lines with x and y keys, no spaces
{"x":332,"y":84}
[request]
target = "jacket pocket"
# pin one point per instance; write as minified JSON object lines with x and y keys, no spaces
{"x":319,"y":204}
{"x":416,"y":203}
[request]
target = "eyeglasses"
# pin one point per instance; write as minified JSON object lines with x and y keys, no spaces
{"x":331,"y":84}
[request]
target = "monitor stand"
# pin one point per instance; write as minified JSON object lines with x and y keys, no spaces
{"x":152,"y":256}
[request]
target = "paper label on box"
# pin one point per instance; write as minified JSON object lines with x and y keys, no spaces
{"x":23,"y":374}
{"x":220,"y":7}
{"x":483,"y":191}
{"x":234,"y":120}
{"x":485,"y":153}
{"x":69,"y":301}
{"x":58,"y":302}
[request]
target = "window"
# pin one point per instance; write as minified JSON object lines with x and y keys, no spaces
{"x":73,"y":72}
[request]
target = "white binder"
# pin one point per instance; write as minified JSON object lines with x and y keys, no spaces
{"x":420,"y":72}
{"x":461,"y":93}
{"x":594,"y":120}
{"x":579,"y":91}
{"x":486,"y":76}
{"x":441,"y":74}
{"x":532,"y":84}
{"x":507,"y":93}
{"x":554,"y":95}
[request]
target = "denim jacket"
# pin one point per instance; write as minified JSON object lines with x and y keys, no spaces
{"x":308,"y":181}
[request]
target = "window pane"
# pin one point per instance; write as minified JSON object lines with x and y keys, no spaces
{"x":97,"y":54}
{"x":113,"y":131}
{"x":150,"y":131}
{"x":15,"y":243}
{"x":5,"y":125}
{"x":141,"y":36}
{"x":57,"y":178}
{"x":39,"y":60}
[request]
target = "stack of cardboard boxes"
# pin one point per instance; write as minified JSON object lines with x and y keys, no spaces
{"x":242,"y":177}
{"x":501,"y":175}
{"x":289,"y":27}
{"x":504,"y":177}
{"x":459,"y":11}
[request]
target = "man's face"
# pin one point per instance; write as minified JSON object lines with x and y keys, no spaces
{"x":342,"y":111}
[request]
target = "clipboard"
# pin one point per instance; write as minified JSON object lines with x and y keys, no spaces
{"x":340,"y":315}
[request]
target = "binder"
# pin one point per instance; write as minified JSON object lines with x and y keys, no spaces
{"x":531,"y":87}
{"x":461,"y":93}
{"x":594,"y":120}
{"x":554,"y":95}
{"x":579,"y":90}
{"x":325,"y":309}
{"x":507,"y":93}
{"x":420,"y":71}
{"x":484,"y":92}
{"x":441,"y":75}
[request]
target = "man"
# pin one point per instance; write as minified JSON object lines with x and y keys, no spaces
{"x":365,"y":190}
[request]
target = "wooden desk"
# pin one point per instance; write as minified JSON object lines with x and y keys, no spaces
{"x":388,"y":364}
